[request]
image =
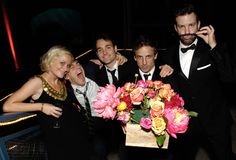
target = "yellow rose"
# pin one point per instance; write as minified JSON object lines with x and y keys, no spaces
{"x":158,"y":125}
{"x":121,"y":106}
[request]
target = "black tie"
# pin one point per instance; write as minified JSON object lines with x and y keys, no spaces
{"x":146,"y":76}
{"x":88,"y":111}
{"x":115,"y":81}
{"x":184,"y":50}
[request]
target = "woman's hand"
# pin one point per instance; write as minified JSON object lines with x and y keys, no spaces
{"x":52,"y":110}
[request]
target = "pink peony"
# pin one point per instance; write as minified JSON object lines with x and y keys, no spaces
{"x":178,"y":120}
{"x":107,"y":100}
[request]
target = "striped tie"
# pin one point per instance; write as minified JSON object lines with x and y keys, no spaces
{"x":88,"y":111}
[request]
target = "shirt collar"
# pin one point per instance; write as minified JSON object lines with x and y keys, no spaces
{"x":113,"y":67}
{"x":151,"y":71}
{"x":81,"y":88}
{"x":181,"y":45}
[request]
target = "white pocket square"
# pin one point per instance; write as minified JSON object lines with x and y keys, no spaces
{"x":203,"y":67}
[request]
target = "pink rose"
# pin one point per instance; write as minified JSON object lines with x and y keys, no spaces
{"x":151,"y":93}
{"x":123,"y":116}
{"x":157,"y":107}
{"x":128,"y":87}
{"x":157,"y":84}
{"x":166,"y":91}
{"x":146,"y":123}
{"x":137,"y":95}
{"x":142,"y":84}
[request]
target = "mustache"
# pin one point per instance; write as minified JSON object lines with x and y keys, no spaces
{"x":193,"y":34}
{"x":188,"y":34}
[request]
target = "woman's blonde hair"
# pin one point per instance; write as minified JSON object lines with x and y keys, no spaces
{"x":54,"y":51}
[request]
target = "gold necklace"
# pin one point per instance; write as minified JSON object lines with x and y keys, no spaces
{"x":60,"y":95}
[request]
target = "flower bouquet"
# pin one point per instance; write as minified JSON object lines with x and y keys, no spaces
{"x":151,"y":105}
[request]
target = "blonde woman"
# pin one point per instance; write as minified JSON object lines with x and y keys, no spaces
{"x":61,"y":123}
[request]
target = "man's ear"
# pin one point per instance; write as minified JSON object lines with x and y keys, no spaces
{"x":66,"y":77}
{"x":175,"y":27}
{"x":156,"y":55}
{"x":115,"y":47}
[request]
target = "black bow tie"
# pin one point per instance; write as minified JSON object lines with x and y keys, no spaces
{"x":184,"y":50}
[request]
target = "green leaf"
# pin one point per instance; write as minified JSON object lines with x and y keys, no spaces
{"x":137,"y":115}
{"x":160,"y":140}
{"x":192,"y":113}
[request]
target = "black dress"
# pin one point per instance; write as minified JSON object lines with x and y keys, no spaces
{"x":70,"y":141}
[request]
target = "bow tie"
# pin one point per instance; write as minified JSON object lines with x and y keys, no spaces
{"x":184,"y":50}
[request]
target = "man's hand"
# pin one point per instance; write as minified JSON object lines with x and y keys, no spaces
{"x":97,"y":62}
{"x":166,"y":70}
{"x":207,"y":34}
{"x":121,"y":59}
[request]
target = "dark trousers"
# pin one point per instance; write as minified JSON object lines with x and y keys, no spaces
{"x":217,"y":143}
{"x":108,"y":139}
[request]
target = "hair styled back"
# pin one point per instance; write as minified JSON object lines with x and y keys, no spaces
{"x":144,"y":40}
{"x":184,"y":9}
{"x":54,"y":51}
{"x":105,"y":37}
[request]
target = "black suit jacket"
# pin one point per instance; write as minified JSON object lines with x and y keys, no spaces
{"x":155,"y":76}
{"x":202,"y":91}
{"x":73,"y":100}
{"x":100,"y":75}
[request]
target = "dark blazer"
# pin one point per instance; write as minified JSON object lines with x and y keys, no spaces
{"x":73,"y":100}
{"x":202,"y":91}
{"x":100,"y":75}
{"x":110,"y":133}
{"x":155,"y":76}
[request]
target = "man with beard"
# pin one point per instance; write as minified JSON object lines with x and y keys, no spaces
{"x":200,"y":64}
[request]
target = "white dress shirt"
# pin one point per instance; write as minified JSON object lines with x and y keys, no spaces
{"x":91,"y":93}
{"x":109,"y":74}
{"x":186,"y":58}
{"x":151,"y":74}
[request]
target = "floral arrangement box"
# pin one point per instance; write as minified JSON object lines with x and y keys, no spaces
{"x":136,"y":136}
{"x":149,"y":110}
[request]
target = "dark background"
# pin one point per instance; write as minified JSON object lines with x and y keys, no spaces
{"x":38,"y":24}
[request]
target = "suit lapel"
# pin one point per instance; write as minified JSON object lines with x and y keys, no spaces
{"x":177,"y":63}
{"x":156,"y":75}
{"x":195,"y":60}
{"x":70,"y":91}
{"x":103,"y":79}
